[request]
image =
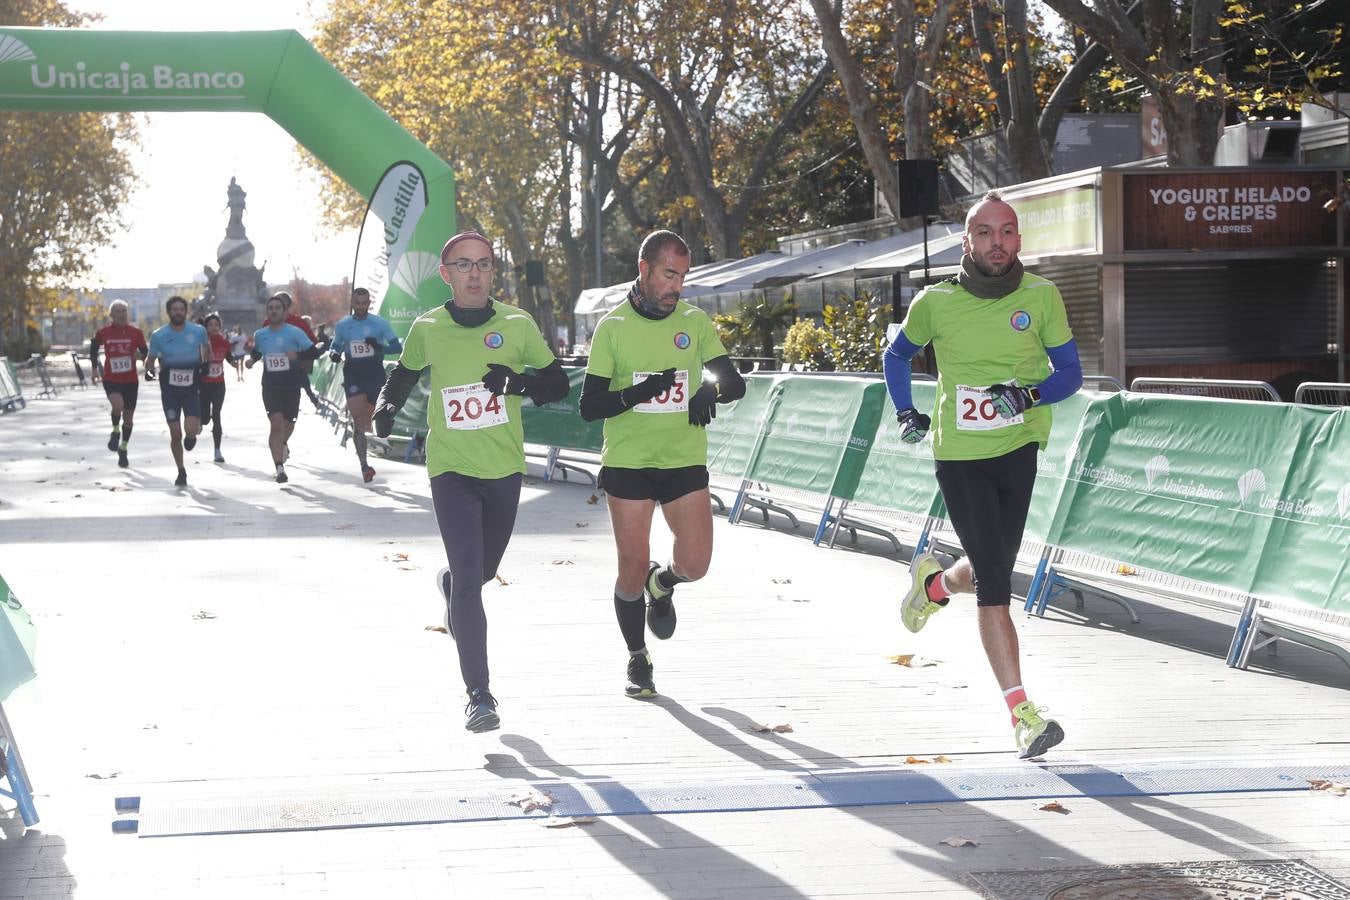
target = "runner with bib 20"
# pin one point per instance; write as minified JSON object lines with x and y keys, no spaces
{"x":657,"y":371}
{"x":478,"y":350}
{"x":1005,"y":353}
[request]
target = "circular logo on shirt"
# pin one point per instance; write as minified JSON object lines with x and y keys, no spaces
{"x":493,"y":339}
{"x":682,"y":340}
{"x":1021,"y":320}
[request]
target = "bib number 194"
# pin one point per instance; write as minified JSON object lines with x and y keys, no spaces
{"x":469,"y":407}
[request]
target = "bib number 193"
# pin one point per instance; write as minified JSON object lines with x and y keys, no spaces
{"x":469,"y":407}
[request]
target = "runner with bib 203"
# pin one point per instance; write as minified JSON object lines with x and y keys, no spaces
{"x":478,"y":351}
{"x":656,"y":373}
{"x":213,"y":383}
{"x":185,"y":350}
{"x":1005,"y":354}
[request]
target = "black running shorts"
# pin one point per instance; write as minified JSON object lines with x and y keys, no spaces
{"x":285,"y":401}
{"x":128,"y":391}
{"x":661,"y":485}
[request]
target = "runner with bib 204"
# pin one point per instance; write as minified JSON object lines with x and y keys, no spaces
{"x":657,"y":371}
{"x":1005,"y":354}
{"x":478,"y":350}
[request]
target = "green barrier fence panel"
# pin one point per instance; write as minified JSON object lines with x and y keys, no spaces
{"x":559,"y":424}
{"x":278,"y":73}
{"x":1052,"y":464}
{"x":1306,"y":556}
{"x":11,"y":393}
{"x":816,"y":440}
{"x":734,"y":435}
{"x":899,"y":476}
{"x":1175,"y":484}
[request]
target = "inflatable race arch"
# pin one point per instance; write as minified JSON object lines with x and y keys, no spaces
{"x":409,"y":189}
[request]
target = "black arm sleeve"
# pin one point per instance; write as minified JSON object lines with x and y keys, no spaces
{"x":93,"y":352}
{"x":598,"y":401}
{"x":255,"y":353}
{"x":730,"y":384}
{"x":549,"y":384}
{"x":311,"y":353}
{"x":398,"y":386}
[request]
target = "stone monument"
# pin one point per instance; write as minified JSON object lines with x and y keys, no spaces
{"x":237,"y":290}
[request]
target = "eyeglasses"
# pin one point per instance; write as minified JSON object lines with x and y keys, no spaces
{"x":465,"y":265}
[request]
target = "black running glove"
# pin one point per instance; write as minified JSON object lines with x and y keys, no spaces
{"x":914,"y":425}
{"x":503,"y":380}
{"x":648,"y":388}
{"x":149,"y":376}
{"x":703,"y":406}
{"x":383,"y":419}
{"x":1011,"y":400}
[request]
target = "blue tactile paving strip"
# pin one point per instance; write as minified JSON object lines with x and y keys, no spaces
{"x":365,"y":806}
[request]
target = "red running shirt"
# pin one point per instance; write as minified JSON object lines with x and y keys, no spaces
{"x":120,"y":343}
{"x":220,"y":351}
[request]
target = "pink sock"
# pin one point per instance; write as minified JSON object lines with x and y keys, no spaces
{"x":1013,"y":696}
{"x":937,"y":588}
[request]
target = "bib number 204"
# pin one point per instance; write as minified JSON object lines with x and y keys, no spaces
{"x":471,"y":406}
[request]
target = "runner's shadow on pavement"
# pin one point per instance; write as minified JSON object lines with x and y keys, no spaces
{"x":401,"y":496}
{"x":33,"y":854}
{"x":672,"y":860}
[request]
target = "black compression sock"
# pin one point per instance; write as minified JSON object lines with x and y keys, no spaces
{"x":126,"y":432}
{"x":631,"y":615}
{"x":116,"y":420}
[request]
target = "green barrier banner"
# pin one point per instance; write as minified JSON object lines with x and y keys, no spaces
{"x":1306,"y":557}
{"x":1180,"y":484}
{"x":1052,"y":464}
{"x":899,"y":476}
{"x":410,"y":189}
{"x":18,"y":639}
{"x":9,"y":381}
{"x":819,"y":434}
{"x":559,"y":424}
{"x":734,"y":435}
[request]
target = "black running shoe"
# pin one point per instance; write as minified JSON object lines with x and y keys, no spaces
{"x":189,"y":442}
{"x":113,"y":440}
{"x":122,"y":460}
{"x":281,"y":477}
{"x":481,"y":712}
{"x":181,"y":480}
{"x":660,"y":606}
{"x":443,"y":583}
{"x":640,"y":683}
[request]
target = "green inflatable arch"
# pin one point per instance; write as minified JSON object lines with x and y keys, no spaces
{"x":410,"y":190}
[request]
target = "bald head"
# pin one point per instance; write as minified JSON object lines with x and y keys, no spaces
{"x":992,"y":240}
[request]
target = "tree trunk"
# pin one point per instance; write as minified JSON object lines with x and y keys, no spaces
{"x":1029,"y":156}
{"x":861,"y":109}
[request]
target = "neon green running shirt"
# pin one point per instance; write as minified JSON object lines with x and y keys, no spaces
{"x":983,"y":342}
{"x":470,"y":431}
{"x":626,"y":347}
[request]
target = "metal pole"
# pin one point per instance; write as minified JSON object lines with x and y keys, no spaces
{"x":925,"y":250}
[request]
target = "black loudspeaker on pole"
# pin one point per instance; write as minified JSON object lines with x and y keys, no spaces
{"x":918,"y":180}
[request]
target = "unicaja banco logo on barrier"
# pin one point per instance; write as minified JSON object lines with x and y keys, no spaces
{"x":107,"y":78}
{"x":1158,"y":473}
{"x":1252,"y":484}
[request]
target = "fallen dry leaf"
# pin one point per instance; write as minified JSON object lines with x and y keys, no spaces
{"x":782,"y":581}
{"x":765,"y":729}
{"x":530,"y":800}
{"x":914,"y":760}
{"x":1339,"y":788}
{"x":583,"y":524}
{"x":1124,"y":569}
{"x":439,"y":628}
{"x":563,"y":562}
{"x":594,"y":499}
{"x":203,"y":614}
{"x":566,"y":821}
{"x":101,"y":777}
{"x":1056,"y":807}
{"x":941,"y":759}
{"x":959,"y":842}
{"x":409,"y":568}
{"x":912,"y":660}
{"x":501,"y":580}
{"x":399,"y":557}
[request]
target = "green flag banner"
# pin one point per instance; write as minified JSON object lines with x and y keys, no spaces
{"x":278,"y":73}
{"x":18,"y":639}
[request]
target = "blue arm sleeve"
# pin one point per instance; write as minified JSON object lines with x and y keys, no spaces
{"x":1067,"y":377}
{"x":895,"y":365}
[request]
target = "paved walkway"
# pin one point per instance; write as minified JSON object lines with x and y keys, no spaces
{"x":241,"y":639}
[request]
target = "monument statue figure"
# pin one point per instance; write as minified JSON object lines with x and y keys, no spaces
{"x":237,"y":289}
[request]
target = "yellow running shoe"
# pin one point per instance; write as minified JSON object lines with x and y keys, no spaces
{"x":916,"y":609}
{"x":1034,"y":734}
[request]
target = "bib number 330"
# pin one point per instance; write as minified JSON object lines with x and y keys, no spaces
{"x":469,"y":407}
{"x":674,"y":400}
{"x":975,"y":411}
